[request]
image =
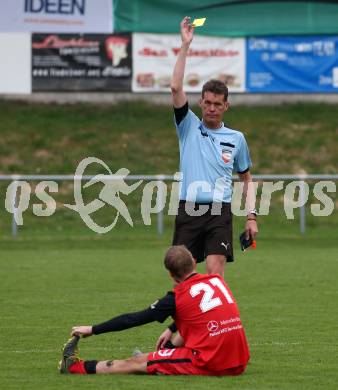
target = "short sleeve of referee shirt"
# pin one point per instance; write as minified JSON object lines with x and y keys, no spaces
{"x":242,"y":161}
{"x":164,"y":307}
{"x":189,"y":121}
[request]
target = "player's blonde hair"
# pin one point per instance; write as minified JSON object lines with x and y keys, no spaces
{"x":179,"y":261}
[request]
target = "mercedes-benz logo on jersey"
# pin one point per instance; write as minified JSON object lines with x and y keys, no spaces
{"x":113,"y":185}
{"x":212,"y":326}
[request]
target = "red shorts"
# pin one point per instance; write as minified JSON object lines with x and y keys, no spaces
{"x":180,"y":361}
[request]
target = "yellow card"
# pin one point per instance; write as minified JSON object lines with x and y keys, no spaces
{"x":198,"y":22}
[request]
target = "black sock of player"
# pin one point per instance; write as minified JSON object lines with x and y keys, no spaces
{"x":90,"y":366}
{"x":169,"y":345}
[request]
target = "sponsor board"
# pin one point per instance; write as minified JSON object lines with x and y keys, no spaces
{"x":15,"y":75}
{"x":292,"y":64}
{"x":75,"y":62}
{"x":154,"y":57}
{"x":56,"y":16}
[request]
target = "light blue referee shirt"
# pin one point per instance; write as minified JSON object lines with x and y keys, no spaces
{"x":208,"y":158}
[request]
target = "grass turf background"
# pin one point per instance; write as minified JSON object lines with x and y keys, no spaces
{"x":286,"y":290}
{"x":52,"y":138}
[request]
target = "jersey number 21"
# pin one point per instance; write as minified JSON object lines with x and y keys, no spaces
{"x":208,"y":302}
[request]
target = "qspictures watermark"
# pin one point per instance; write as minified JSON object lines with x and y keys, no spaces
{"x":156,"y":194}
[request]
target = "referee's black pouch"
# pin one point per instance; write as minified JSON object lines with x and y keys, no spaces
{"x":245,"y":243}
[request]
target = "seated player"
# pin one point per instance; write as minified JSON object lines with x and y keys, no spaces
{"x":206,"y":316}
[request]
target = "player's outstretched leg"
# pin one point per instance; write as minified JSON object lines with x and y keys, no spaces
{"x":69,"y":355}
{"x":133,"y":365}
{"x":71,"y":364}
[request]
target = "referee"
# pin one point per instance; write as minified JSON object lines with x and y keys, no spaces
{"x":209,"y":152}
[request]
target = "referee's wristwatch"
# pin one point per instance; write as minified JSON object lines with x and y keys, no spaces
{"x":254,"y":213}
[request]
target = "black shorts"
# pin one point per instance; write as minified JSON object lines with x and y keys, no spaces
{"x":206,"y":234}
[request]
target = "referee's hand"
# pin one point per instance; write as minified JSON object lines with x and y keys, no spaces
{"x":187,"y":31}
{"x":251,"y":229}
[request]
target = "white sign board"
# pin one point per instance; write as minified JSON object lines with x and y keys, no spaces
{"x":95,"y":16}
{"x":154,"y":57}
{"x":15,"y":64}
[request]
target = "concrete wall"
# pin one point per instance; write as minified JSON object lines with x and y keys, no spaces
{"x":164,"y":98}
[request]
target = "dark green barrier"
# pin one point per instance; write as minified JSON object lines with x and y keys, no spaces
{"x":229,"y":18}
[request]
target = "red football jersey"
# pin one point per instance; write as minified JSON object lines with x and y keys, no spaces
{"x":207,"y":318}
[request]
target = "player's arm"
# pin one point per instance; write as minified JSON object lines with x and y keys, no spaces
{"x":178,"y":95}
{"x":124,"y":321}
{"x":165,"y":337}
{"x":158,"y":311}
{"x":250,"y":196}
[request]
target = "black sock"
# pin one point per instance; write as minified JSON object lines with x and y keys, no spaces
{"x":90,"y":366}
{"x":169,"y":345}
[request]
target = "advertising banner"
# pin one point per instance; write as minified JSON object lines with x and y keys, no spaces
{"x":74,"y":62}
{"x":292,"y":64}
{"x":15,"y":64}
{"x":154,"y":57}
{"x":91,"y":16}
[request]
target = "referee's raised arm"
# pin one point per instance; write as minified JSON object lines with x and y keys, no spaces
{"x":177,"y":92}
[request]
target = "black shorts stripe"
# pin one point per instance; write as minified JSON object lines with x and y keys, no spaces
{"x":245,"y":171}
{"x":168,"y":361}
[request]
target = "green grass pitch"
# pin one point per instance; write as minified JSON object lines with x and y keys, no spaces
{"x":286,"y":290}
